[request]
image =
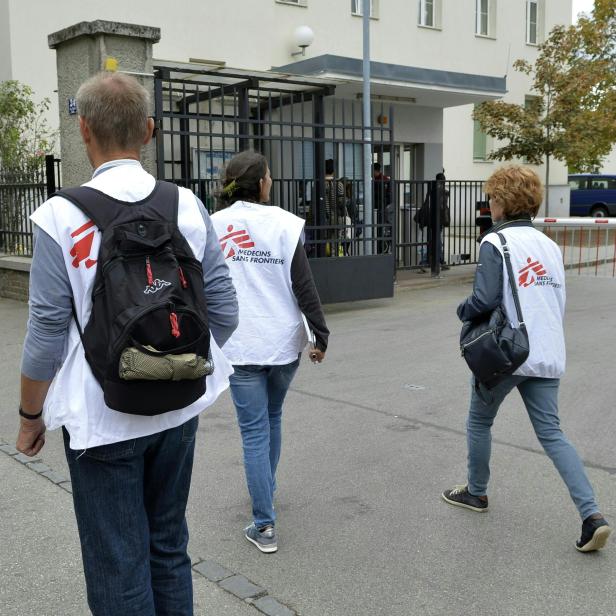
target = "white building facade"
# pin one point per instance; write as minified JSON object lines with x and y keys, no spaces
{"x":433,"y":60}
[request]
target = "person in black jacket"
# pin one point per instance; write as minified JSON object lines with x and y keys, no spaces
{"x":423,"y":218}
{"x":381,"y":202}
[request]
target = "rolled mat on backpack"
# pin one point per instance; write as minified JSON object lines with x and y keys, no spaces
{"x":137,"y":365}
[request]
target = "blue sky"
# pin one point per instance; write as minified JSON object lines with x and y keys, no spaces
{"x":581,"y":5}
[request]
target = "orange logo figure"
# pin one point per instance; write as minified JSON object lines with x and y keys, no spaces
{"x":82,"y":247}
{"x":528,"y":273}
{"x":233,"y":240}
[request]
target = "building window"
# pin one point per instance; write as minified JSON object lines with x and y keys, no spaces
{"x":429,"y":13}
{"x":531,"y":22}
{"x":295,"y":2}
{"x":357,"y":7}
{"x":534,"y":21}
{"x":485,"y":18}
{"x":480,"y":142}
{"x":530,"y":100}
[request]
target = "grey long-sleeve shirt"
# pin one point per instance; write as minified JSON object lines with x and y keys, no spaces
{"x":51,"y":308}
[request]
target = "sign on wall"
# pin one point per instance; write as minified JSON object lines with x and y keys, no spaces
{"x":208,"y":164}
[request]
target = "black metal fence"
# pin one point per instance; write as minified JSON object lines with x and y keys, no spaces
{"x":205,"y":117}
{"x":415,"y":244}
{"x":21,"y":192}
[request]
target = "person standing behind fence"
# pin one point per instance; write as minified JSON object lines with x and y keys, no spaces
{"x":515,"y":194}
{"x":423,"y":218}
{"x":263,"y":246}
{"x":335,"y":210}
{"x":381,"y":203}
{"x":130,"y":474}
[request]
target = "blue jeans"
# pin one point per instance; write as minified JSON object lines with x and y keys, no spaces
{"x":424,"y":259}
{"x":540,"y":396}
{"x":258,"y":393}
{"x":130,"y":502}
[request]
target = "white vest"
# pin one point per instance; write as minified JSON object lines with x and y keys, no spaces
{"x":75,"y":399}
{"x":540,"y":278}
{"x":259,"y":242}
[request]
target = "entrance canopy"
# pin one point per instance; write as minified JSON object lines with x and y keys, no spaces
{"x":398,"y":83}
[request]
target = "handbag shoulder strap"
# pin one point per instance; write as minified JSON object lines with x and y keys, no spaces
{"x":514,"y":289}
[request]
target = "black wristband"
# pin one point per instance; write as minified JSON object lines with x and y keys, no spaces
{"x":28,"y":415}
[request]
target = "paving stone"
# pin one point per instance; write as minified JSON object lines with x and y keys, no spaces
{"x":8,"y":449}
{"x":271,"y":607}
{"x":212,"y":571}
{"x":38,"y":467}
{"x":241,"y":587}
{"x":55,"y":477}
{"x":67,"y":485}
{"x":24,"y":459}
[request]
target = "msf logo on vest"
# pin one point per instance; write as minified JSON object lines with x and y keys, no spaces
{"x":534,"y":273}
{"x":82,"y":246}
{"x":235,"y":240}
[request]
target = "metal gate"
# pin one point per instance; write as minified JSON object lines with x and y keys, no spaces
{"x":204,"y":117}
{"x":416,"y":245}
{"x":21,"y":192}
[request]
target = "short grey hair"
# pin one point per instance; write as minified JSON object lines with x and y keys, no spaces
{"x":116,"y":108}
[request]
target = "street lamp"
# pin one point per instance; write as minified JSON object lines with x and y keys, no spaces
{"x":303,"y":36}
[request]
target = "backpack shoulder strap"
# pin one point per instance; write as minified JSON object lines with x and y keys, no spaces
{"x":103,"y":209}
{"x":163,"y":201}
{"x":96,"y":205}
{"x":512,"y":281}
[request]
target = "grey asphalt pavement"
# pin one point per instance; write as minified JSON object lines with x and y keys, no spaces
{"x":371,"y":438}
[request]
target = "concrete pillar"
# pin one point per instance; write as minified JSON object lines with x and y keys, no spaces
{"x":83,"y":50}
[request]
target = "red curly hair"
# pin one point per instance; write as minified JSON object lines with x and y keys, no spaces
{"x":517,"y":189}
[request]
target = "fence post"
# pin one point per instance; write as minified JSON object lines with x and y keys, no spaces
{"x":83,"y":50}
{"x":243,"y":117}
{"x":434,"y":248}
{"x":50,"y":174}
{"x":158,"y":106}
{"x":393,"y":191}
{"x":318,"y":198}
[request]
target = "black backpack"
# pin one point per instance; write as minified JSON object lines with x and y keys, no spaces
{"x":147,"y":340}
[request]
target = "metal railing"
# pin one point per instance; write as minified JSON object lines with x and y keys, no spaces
{"x":415,"y":244}
{"x":21,"y":192}
{"x":204,"y":117}
{"x":588,"y":245}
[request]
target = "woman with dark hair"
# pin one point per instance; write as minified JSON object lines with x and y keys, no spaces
{"x":279,"y":311}
{"x":515,"y":194}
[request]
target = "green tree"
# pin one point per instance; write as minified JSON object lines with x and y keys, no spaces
{"x":25,"y":138}
{"x":571,"y":115}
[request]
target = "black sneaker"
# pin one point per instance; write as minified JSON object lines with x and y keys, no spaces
{"x":461,"y":497}
{"x":264,"y":538}
{"x":595,"y":533}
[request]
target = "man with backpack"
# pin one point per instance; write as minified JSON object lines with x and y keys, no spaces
{"x":127,"y":282}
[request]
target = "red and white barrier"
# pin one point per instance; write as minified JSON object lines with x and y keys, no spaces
{"x":588,"y":244}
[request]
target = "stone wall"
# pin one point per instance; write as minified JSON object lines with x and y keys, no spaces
{"x":14,"y":285}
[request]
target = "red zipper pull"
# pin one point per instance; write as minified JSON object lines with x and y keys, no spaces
{"x":175,"y":327}
{"x":183,"y":280}
{"x":148,"y":271}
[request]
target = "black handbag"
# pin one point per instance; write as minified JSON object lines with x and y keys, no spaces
{"x":490,"y":346}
